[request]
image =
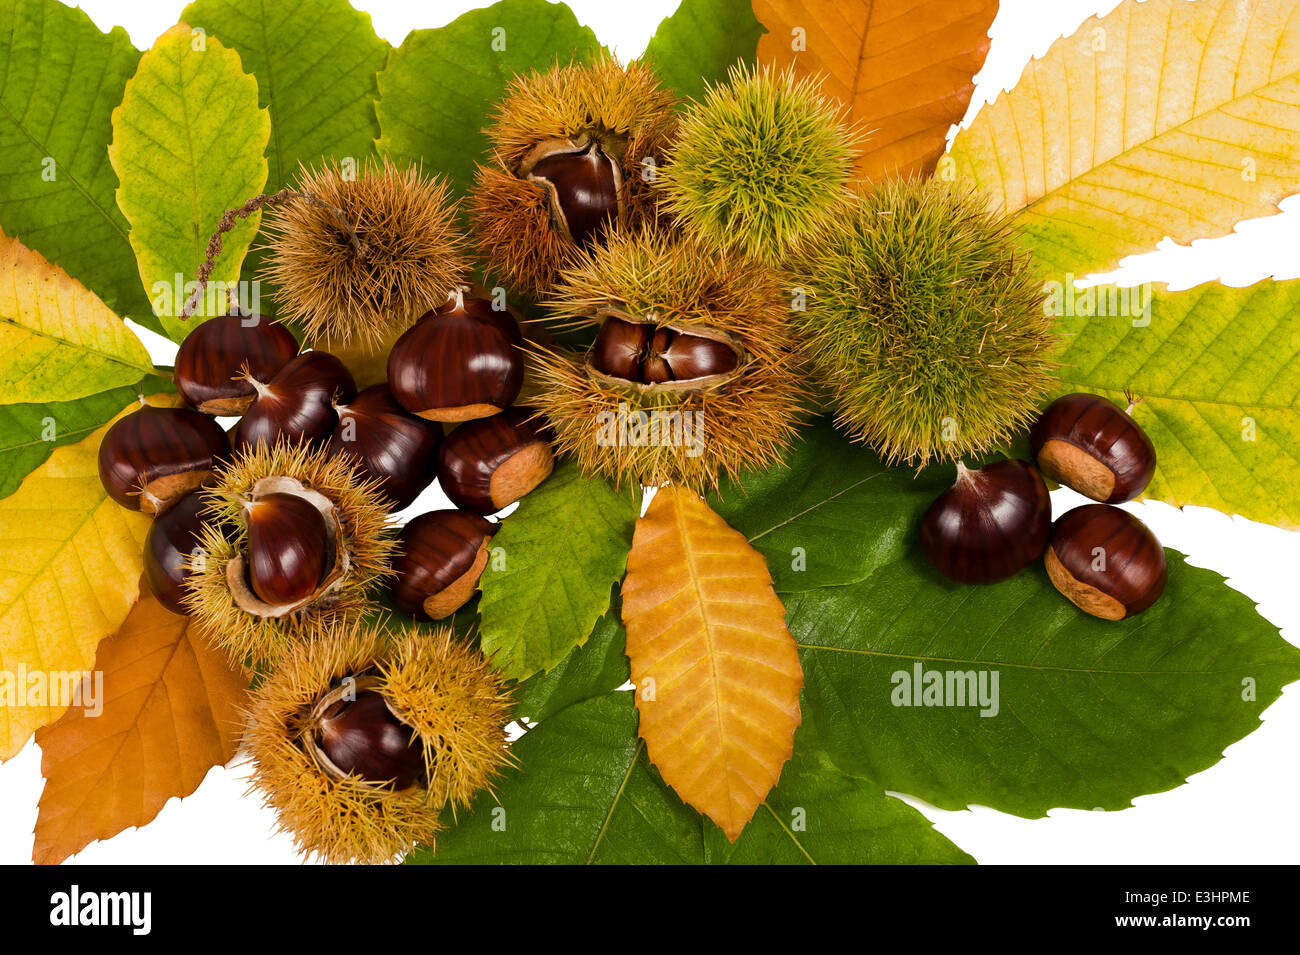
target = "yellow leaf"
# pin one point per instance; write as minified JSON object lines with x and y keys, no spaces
{"x":170,"y":712}
{"x":717,"y":672}
{"x":70,"y":564}
{"x":1163,"y":118}
{"x":59,"y":341}
{"x":904,"y":68}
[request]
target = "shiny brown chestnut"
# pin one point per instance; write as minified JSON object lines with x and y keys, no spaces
{"x":1086,"y":443}
{"x":396,"y":447}
{"x":487,"y":464}
{"x":1106,"y":561}
{"x":583,"y":185}
{"x":459,"y":362}
{"x":442,"y":556}
{"x":990,"y":525}
{"x":288,"y":543}
{"x":298,"y":403}
{"x":153,"y":457}
{"x":215,"y":361}
{"x":358,"y":734}
{"x":643,"y":353}
{"x":170,"y":547}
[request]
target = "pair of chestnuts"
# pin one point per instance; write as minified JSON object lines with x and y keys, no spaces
{"x":996,"y":520}
{"x":460,"y":363}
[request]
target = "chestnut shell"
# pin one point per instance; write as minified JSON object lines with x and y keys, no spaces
{"x":288,"y":542}
{"x":154,"y":456}
{"x":487,"y":464}
{"x":1086,"y":443}
{"x":442,"y":555}
{"x":212,"y":357}
{"x":1132,"y":576}
{"x":991,"y":524}
{"x":393,"y":445}
{"x":586,"y":188}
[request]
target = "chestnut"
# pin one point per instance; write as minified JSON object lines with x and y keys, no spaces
{"x":991,"y":524}
{"x":155,"y":456}
{"x":393,"y":445}
{"x":288,"y":542}
{"x":1106,"y":561}
{"x":358,"y":734}
{"x":487,"y":464}
{"x":215,"y":361}
{"x":442,"y":556}
{"x":170,"y":546}
{"x":1086,"y":443}
{"x":459,"y":362}
{"x":298,"y":403}
{"x":643,"y":353}
{"x":619,"y":348}
{"x":583,"y":185}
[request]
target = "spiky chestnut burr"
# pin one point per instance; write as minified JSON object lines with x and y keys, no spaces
{"x":298,"y":403}
{"x":761,"y":164}
{"x":441,"y":556}
{"x":222,"y":599}
{"x":1106,"y":561}
{"x":217,"y":359}
{"x":575,"y":151}
{"x":153,"y":457}
{"x":693,"y":342}
{"x":392,"y":446}
{"x":416,"y":706}
{"x":1086,"y":443}
{"x":488,"y":464}
{"x":459,"y":362}
{"x":402,"y":258}
{"x":925,"y":323}
{"x":990,"y":525}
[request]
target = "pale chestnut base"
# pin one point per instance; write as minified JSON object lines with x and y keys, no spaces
{"x":456,"y":594}
{"x":163,"y":492}
{"x":223,"y":407}
{"x":520,"y":473}
{"x":1066,"y":464}
{"x":460,"y":413}
{"x":1084,"y":596}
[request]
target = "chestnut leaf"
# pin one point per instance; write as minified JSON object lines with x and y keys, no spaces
{"x":597,"y":667}
{"x":1183,"y":122}
{"x":700,"y":41}
{"x":441,"y":85}
{"x":188,"y":144}
{"x":1218,"y":371}
{"x":1087,"y":713}
{"x":553,"y":563}
{"x":586,"y":794}
{"x":62,"y":78}
{"x":29,"y":432}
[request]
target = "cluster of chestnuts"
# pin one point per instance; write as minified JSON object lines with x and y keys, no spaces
{"x":996,"y":520}
{"x":460,"y":364}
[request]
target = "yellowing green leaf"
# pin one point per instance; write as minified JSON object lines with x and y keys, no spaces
{"x":58,"y":341}
{"x":1163,"y":118}
{"x":188,"y":144}
{"x":1218,"y":370}
{"x":70,"y":565}
{"x":716,"y":671}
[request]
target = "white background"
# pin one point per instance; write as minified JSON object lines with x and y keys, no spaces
{"x":1246,"y":808}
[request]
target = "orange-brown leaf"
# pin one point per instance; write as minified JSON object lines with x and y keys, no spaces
{"x":716,"y":671}
{"x":904,"y":68}
{"x":171,"y":711}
